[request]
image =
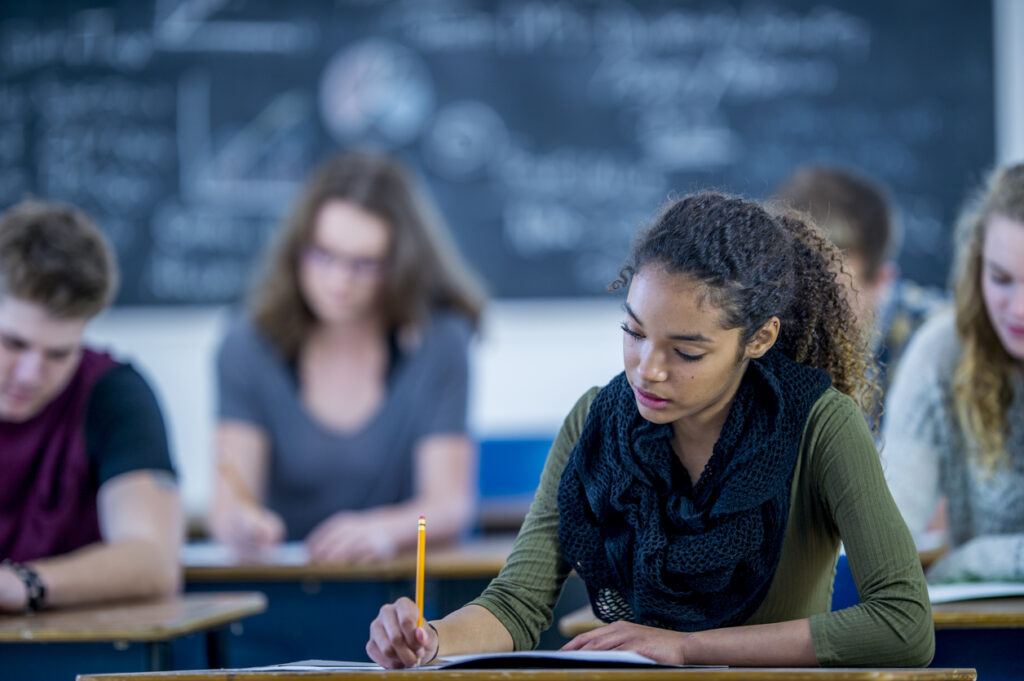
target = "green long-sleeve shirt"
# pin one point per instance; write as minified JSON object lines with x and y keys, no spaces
{"x":838,"y":493}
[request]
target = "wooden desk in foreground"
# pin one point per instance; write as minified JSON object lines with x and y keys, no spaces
{"x":630,"y":674}
{"x":132,"y":634}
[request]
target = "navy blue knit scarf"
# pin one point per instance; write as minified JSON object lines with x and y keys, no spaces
{"x":656,"y":550}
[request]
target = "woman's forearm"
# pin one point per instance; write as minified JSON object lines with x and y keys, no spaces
{"x":471,"y":629}
{"x":780,"y":644}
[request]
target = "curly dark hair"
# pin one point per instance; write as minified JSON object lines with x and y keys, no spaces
{"x":756,"y":263}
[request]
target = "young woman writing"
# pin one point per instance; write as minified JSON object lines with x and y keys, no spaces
{"x":703,"y":493}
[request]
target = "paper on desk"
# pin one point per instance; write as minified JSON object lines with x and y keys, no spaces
{"x":315,"y":666}
{"x":966,"y":591}
{"x":545,"y":659}
{"x":548,"y":659}
{"x":214,"y":554}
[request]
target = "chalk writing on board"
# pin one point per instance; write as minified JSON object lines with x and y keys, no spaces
{"x":549,"y":132}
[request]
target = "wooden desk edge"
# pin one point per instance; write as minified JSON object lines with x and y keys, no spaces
{"x":481,"y":558}
{"x":247,"y":604}
{"x":661,"y":674}
{"x":978,"y":620}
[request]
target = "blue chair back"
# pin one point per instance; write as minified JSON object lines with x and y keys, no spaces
{"x":511,"y":467}
{"x":844,"y":589}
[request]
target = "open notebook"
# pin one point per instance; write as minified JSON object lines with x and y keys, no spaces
{"x":532,"y":659}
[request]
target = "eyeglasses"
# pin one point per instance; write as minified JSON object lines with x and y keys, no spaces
{"x":359,"y":266}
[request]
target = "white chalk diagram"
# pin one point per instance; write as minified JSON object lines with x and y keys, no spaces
{"x":233,"y":187}
{"x":188,"y":26}
{"x":464,"y":138}
{"x":377,"y":91}
{"x":256,"y":167}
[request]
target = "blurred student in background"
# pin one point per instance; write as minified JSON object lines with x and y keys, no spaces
{"x":342,"y":391}
{"x":956,"y":413}
{"x":89,"y":506}
{"x":857,"y":216}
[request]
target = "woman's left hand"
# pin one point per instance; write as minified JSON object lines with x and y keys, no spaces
{"x":661,"y":645}
{"x":348,"y":537}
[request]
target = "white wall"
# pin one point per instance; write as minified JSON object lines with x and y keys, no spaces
{"x":533,"y":358}
{"x":530,"y":363}
{"x":1009,"y":80}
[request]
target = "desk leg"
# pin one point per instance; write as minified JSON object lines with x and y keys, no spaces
{"x":158,"y":656}
{"x":217,"y":648}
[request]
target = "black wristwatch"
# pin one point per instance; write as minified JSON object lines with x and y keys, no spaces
{"x":35,"y":590}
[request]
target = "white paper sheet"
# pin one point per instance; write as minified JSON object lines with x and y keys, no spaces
{"x":966,"y":591}
{"x":214,"y":554}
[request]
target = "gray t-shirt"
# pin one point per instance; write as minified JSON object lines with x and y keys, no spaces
{"x":927,"y":454}
{"x":315,"y":470}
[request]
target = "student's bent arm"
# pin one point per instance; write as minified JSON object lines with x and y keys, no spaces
{"x":236,"y":515}
{"x":445,"y":471}
{"x":396,"y":642}
{"x":142,"y":526}
{"x":892,"y":624}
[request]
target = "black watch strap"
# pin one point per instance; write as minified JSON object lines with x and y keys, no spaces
{"x":35,"y":590}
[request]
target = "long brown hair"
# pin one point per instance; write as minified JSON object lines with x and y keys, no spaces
{"x":424,"y":272}
{"x":982,"y":386}
{"x":756,"y":264}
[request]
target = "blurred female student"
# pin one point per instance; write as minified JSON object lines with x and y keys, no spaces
{"x":702,"y":494}
{"x":342,"y":392}
{"x":956,"y":412}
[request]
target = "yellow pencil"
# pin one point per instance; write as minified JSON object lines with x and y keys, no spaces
{"x":421,"y":557}
{"x":234,"y":480}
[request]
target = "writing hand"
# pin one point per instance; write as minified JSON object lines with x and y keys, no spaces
{"x":252,"y":529}
{"x":348,"y":537}
{"x":395,"y":640}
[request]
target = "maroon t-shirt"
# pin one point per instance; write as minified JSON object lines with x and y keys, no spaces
{"x":48,"y":486}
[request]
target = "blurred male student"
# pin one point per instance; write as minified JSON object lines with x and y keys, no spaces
{"x":856,"y":215}
{"x":89,"y":505}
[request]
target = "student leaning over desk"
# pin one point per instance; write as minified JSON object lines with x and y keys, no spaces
{"x":342,"y":390}
{"x":89,"y":506}
{"x":702,"y":494}
{"x":956,"y":413}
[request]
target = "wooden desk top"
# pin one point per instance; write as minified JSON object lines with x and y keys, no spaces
{"x":628,"y":674}
{"x":159,"y":620}
{"x":480,"y":557}
{"x":984,"y":613}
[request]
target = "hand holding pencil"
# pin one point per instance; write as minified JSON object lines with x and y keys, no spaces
{"x":251,"y":527}
{"x":398,"y":636}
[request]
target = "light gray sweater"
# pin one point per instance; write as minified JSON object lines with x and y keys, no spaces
{"x":927,"y":454}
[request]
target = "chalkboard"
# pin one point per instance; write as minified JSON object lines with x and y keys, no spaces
{"x":548,"y":131}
